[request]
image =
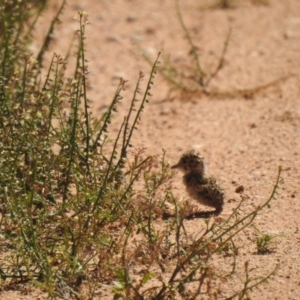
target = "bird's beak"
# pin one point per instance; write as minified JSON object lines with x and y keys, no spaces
{"x":175,"y":166}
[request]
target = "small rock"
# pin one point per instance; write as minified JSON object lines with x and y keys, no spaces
{"x":113,"y":38}
{"x":131,"y":18}
{"x":164,"y":112}
{"x":137,"y":37}
{"x":231,"y":200}
{"x":239,"y":189}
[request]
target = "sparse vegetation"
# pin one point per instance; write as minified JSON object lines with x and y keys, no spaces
{"x":80,"y":208}
{"x":194,"y":79}
{"x":265,"y":242}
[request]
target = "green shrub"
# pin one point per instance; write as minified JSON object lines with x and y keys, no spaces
{"x":62,"y":177}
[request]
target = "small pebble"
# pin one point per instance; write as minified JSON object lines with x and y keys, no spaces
{"x":239,"y":189}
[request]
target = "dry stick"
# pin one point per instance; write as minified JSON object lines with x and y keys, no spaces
{"x":107,"y":117}
{"x":72,"y":140}
{"x":84,"y":73}
{"x":144,"y":100}
{"x":248,"y":280}
{"x":163,"y":72}
{"x":193,"y":47}
{"x":126,"y":278}
{"x":247,"y":91}
{"x":49,"y":35}
{"x":104,"y":185}
{"x":221,"y":61}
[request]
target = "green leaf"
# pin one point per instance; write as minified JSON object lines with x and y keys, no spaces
{"x":148,"y":276}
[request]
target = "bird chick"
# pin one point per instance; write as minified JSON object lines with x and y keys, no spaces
{"x":201,"y":188}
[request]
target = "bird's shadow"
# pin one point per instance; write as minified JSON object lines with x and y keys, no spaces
{"x":195,"y":215}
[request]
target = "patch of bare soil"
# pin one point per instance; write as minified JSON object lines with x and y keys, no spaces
{"x":243,"y":139}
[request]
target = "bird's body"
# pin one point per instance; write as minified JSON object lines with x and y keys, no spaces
{"x":205,"y":190}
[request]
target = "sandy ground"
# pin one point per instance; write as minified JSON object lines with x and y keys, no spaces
{"x":243,"y":139}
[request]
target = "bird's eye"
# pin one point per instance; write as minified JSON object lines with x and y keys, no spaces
{"x":184,"y":161}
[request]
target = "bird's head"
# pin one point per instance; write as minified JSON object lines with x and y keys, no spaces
{"x":189,"y":162}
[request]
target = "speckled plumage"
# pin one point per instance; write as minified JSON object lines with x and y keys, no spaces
{"x":205,"y":190}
